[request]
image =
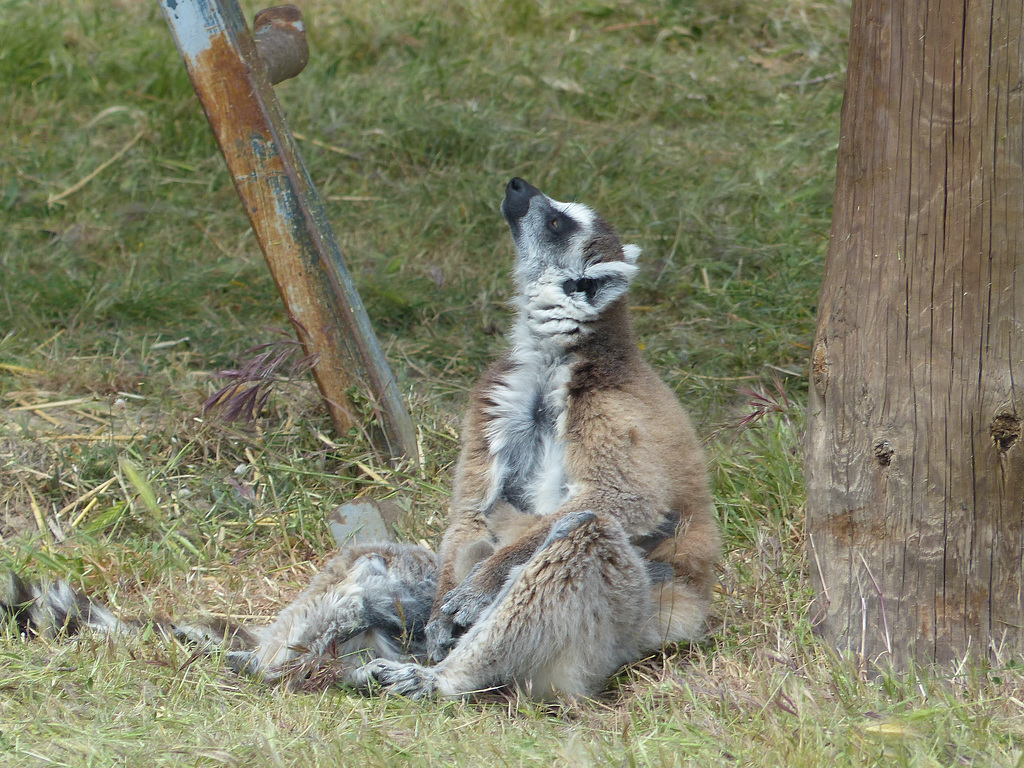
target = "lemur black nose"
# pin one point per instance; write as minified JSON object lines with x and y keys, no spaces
{"x":517,"y":199}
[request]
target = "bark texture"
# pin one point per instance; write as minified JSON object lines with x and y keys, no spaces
{"x":914,"y":453}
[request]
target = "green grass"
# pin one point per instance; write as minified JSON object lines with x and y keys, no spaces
{"x":705,"y":131}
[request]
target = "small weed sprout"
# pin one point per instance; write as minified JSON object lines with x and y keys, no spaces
{"x":249,"y":387}
{"x":761,"y":402}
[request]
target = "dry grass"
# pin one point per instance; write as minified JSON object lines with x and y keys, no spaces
{"x":705,"y":131}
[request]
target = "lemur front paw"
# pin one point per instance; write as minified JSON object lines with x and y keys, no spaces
{"x":410,"y":680}
{"x":440,"y":637}
{"x":466,"y":603}
{"x":460,"y":608}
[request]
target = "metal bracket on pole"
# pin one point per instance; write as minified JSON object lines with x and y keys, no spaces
{"x":232,"y":73}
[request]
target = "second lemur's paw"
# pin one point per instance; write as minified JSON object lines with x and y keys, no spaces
{"x":248,"y":664}
{"x":571,"y":522}
{"x":410,"y":680}
{"x":244,"y":663}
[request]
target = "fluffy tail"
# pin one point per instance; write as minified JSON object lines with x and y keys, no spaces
{"x":54,"y":608}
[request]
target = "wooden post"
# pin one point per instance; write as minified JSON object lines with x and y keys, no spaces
{"x":914,"y":456}
{"x":233,"y":86}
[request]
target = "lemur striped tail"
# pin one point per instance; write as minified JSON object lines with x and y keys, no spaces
{"x":52,"y":608}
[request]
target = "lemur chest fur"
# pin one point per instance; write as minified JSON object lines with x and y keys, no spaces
{"x":526,"y":433}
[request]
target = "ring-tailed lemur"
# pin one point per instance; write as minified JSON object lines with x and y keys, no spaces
{"x":581,"y":533}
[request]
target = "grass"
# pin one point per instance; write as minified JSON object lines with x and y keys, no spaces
{"x":706,"y":132}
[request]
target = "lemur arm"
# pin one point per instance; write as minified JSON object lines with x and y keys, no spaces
{"x":478,"y":553}
{"x":467,"y":526}
{"x":467,"y":538}
{"x":464,"y":604}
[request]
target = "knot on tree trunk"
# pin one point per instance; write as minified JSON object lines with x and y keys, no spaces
{"x":1005,"y":430}
{"x":819,"y":368}
{"x":883,"y":452}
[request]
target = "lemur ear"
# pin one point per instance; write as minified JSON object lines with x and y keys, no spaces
{"x":631,"y":253}
{"x":607,"y":281}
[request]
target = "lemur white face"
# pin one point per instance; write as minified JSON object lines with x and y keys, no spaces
{"x":571,"y":265}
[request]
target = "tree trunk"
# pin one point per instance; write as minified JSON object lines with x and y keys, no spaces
{"x":914,"y":455}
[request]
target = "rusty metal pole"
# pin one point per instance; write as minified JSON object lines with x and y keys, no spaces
{"x":234,"y":85}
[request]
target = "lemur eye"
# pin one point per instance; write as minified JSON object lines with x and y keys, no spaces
{"x":553,"y":225}
{"x":585,"y":285}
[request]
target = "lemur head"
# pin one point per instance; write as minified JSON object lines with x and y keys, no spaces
{"x":571,"y":264}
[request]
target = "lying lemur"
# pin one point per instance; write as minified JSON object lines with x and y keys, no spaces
{"x":581,"y":533}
